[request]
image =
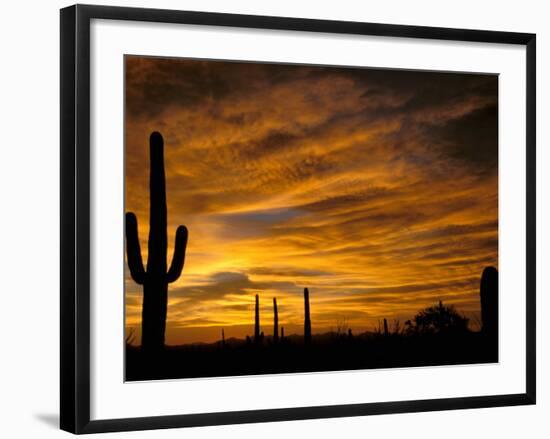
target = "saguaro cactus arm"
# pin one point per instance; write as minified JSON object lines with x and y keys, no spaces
{"x":133,"y":250}
{"x":178,"y":260}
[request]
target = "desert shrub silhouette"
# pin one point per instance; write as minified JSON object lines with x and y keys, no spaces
{"x":156,"y":277}
{"x":437,"y":319}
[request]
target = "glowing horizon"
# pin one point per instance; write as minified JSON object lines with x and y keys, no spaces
{"x":376,"y":189}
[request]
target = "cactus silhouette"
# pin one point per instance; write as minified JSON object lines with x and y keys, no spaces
{"x":156,"y":277}
{"x":307,"y":320}
{"x":488,"y":291}
{"x":275,"y":321}
{"x":257,"y":320}
{"x":223,"y":338}
{"x":386,"y":331}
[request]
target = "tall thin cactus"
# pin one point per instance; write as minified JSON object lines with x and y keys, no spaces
{"x":257,"y":320}
{"x":156,"y":277}
{"x":386,"y":330}
{"x":307,"y":320}
{"x":488,"y":291}
{"x":275,"y":321}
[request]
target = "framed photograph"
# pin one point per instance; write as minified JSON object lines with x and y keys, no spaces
{"x":268,"y":218}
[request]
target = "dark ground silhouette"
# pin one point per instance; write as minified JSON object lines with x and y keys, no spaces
{"x":326,"y":352}
{"x":437,"y":335}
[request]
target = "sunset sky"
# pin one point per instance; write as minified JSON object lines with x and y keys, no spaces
{"x":376,"y":189}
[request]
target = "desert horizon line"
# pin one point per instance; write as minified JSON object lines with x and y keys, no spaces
{"x":340,"y":325}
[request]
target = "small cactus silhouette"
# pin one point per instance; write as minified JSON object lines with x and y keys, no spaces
{"x":275,"y":321}
{"x":307,"y":320}
{"x":386,"y":330}
{"x":488,"y":291}
{"x":257,"y":320}
{"x":156,"y":278}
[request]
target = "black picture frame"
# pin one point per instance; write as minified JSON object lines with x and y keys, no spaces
{"x":75,"y":217}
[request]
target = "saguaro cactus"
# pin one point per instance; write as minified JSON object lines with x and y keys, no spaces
{"x":307,"y":320}
{"x":488,"y":291}
{"x":386,"y":330}
{"x":156,"y":278}
{"x":275,"y":321}
{"x":257,"y":320}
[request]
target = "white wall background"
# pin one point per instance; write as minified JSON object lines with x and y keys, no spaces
{"x":29,"y":200}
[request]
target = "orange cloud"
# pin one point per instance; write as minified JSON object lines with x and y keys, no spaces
{"x":378,"y":190}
